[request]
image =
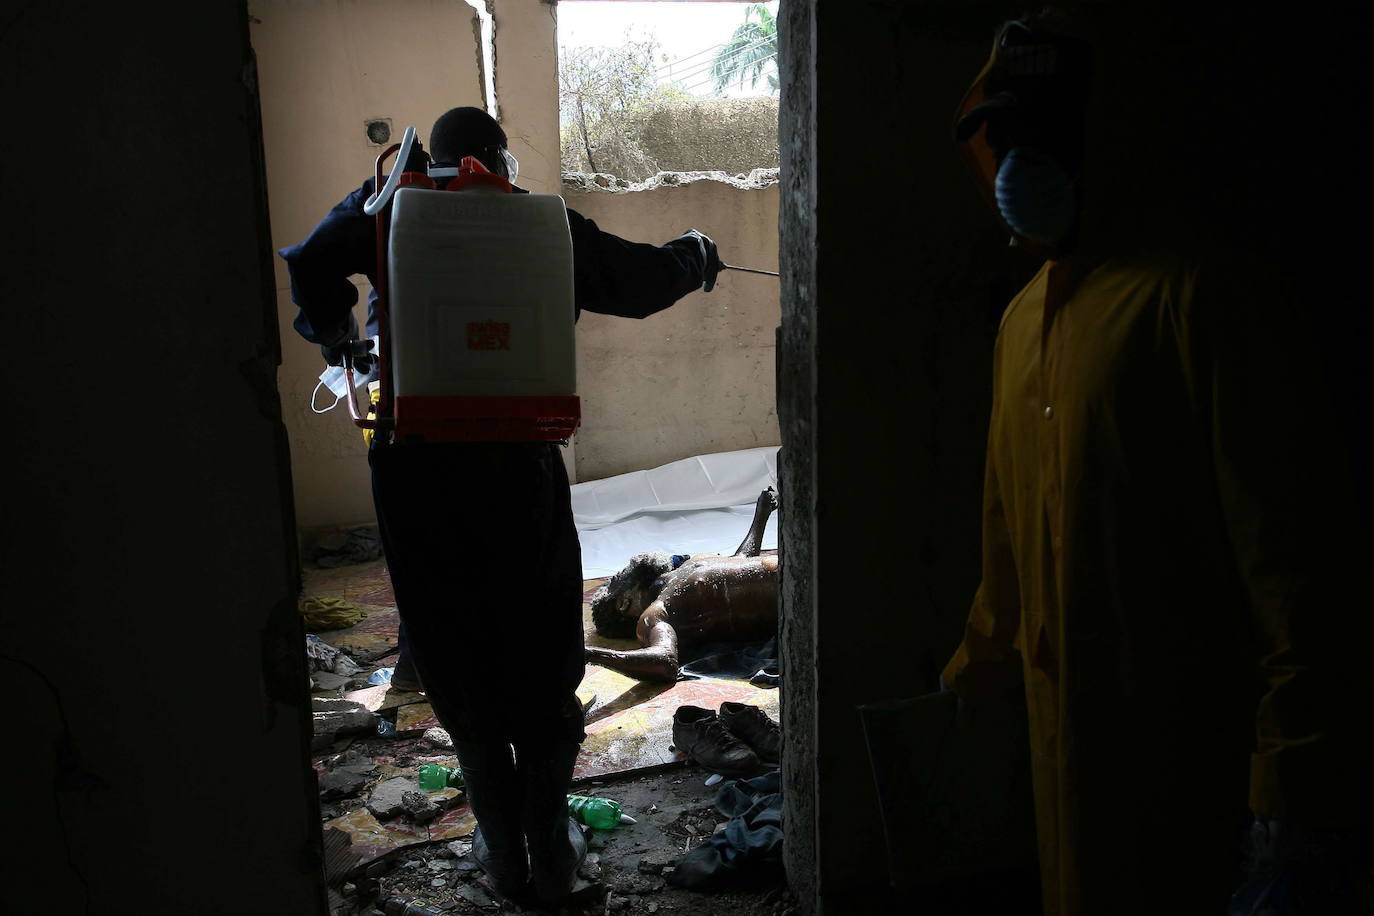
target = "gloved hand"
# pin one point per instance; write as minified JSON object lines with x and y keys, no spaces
{"x":709,"y":258}
{"x":1296,"y":871}
{"x":358,"y":353}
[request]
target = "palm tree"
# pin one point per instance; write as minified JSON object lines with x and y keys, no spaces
{"x":752,"y":47}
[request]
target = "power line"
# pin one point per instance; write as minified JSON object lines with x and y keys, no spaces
{"x":712,"y":80}
{"x":671,"y":63}
{"x":698,"y":69}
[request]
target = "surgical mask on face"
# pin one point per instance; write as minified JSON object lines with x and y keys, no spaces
{"x":336,"y":381}
{"x":1035,"y":195}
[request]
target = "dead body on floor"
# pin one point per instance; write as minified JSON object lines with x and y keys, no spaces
{"x":671,"y":603}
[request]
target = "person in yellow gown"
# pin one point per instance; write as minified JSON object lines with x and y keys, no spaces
{"x":1169,"y":563}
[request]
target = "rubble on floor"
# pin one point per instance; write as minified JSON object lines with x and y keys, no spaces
{"x":384,"y":835}
{"x":631,"y":864}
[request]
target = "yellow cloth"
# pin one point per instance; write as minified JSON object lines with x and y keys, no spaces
{"x":330,"y":613}
{"x":1164,"y":546}
{"x":375,"y":395}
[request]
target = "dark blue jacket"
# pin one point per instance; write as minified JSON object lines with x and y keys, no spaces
{"x":610,"y":275}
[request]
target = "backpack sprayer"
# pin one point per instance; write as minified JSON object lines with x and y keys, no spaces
{"x":474,"y":306}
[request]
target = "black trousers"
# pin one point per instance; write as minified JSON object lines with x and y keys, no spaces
{"x":487,"y":573}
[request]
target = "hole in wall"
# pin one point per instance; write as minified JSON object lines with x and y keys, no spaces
{"x":378,"y":131}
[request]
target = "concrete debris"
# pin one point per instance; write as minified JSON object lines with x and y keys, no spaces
{"x":458,"y":848}
{"x":476,"y":896}
{"x":655,"y":862}
{"x":437,"y":738}
{"x":386,"y":800}
{"x":615,"y":904}
{"x":756,"y":179}
{"x":343,"y":782}
{"x":438,"y":882}
{"x":334,"y":717}
{"x":638,"y":884}
{"x":329,"y":681}
{"x":418,"y":807}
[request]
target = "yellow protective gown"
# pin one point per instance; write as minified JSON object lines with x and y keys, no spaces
{"x":1167,"y":550}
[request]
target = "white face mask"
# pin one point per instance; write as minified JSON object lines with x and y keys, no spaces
{"x":512,"y":165}
{"x":336,"y":381}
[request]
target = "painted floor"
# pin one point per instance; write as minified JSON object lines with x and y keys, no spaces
{"x":629,"y":723}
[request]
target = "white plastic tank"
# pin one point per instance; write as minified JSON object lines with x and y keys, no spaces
{"x":481,"y":294}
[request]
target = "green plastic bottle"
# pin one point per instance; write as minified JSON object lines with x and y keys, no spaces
{"x":597,"y":813}
{"x":435,"y":776}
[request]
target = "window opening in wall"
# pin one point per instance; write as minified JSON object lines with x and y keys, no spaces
{"x":653,"y":87}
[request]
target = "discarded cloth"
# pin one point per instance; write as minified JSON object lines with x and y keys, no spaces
{"x":330,"y":613}
{"x":756,"y":664}
{"x":344,"y":548}
{"x":750,"y":846}
{"x":321,"y":656}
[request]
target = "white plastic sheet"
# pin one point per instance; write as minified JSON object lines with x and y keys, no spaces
{"x":698,"y":505}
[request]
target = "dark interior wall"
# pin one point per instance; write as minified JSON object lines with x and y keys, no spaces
{"x":796,"y":386}
{"x":147,"y":508}
{"x":894,"y":282}
{"x":894,"y":275}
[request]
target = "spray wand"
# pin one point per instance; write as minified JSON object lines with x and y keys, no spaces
{"x":748,"y":270}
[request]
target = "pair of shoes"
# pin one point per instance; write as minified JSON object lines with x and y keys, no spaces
{"x":752,"y":726}
{"x":739,"y":742}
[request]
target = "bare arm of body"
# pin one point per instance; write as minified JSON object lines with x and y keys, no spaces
{"x":657,"y":661}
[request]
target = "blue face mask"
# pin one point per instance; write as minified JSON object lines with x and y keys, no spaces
{"x":1035,"y":195}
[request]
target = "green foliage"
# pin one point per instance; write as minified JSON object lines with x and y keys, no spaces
{"x":751,"y":53}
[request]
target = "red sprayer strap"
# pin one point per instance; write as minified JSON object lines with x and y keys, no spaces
{"x":472,"y":173}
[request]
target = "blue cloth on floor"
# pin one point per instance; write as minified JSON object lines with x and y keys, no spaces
{"x":750,"y":846}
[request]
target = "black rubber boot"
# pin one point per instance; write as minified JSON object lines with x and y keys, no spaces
{"x":494,"y":791}
{"x":556,"y":844}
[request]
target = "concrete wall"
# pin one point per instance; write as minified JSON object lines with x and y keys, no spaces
{"x":148,"y":542}
{"x":734,"y":136}
{"x":525,"y":33}
{"x":326,"y":68}
{"x":698,"y":377}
